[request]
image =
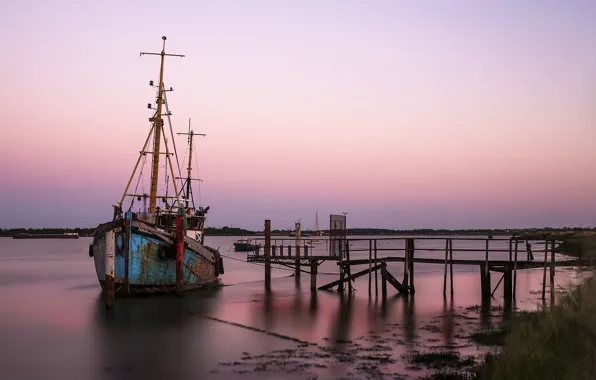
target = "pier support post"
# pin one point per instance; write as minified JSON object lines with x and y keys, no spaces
{"x":179,"y":252}
{"x":515,"y":269}
{"x":451,"y":264}
{"x":552,"y":272}
{"x":297,"y":263}
{"x":485,"y":281}
{"x":411,"y":251}
{"x":376,"y":275}
{"x":384,"y":280}
{"x":369,"y":267}
{"x":508,"y":283}
{"x":110,"y":247}
{"x":544,"y":270}
{"x":267,"y":253}
{"x":313,"y":275}
{"x":445,"y":272}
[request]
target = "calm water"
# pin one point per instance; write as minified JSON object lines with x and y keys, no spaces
{"x":53,"y":323}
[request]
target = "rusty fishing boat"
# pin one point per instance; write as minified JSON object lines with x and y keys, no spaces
{"x":159,"y":247}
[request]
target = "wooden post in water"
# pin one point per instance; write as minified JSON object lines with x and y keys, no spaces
{"x":281,"y":249}
{"x":515,"y":270}
{"x":485,"y":275}
{"x":348,"y":267}
{"x":180,"y":251}
{"x":305,"y":250}
{"x":544,"y":270}
{"x":552,"y":272}
{"x":370,"y":267}
{"x":289,"y":250}
{"x":406,"y":278}
{"x":297,"y":263}
{"x":451,"y":263}
{"x":313,"y":275}
{"x":384,"y":280}
{"x":507,"y":283}
{"x":110,"y":247}
{"x":267,"y":254}
{"x":411,"y":265}
{"x":376,"y":276}
{"x":445,"y":272}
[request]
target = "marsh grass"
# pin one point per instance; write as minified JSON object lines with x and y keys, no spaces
{"x":559,"y":344}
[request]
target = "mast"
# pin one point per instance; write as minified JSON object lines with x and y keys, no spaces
{"x":158,"y":123}
{"x":191,"y":133}
{"x":188,"y":178}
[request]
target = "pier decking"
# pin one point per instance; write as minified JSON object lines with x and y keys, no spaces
{"x":294,"y":253}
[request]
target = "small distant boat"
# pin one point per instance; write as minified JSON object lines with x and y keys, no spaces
{"x":66,"y":235}
{"x":245,"y":245}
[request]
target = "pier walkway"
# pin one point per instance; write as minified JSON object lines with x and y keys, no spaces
{"x":505,"y":256}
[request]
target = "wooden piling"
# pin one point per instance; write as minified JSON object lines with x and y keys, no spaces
{"x":369,"y":267}
{"x":406,"y":277}
{"x":552,"y":272}
{"x":179,"y":253}
{"x":485,"y":275}
{"x":445,"y":272}
{"x":515,"y":270}
{"x":544,"y":270}
{"x":508,"y":283}
{"x":384,"y":280}
{"x":297,"y":262}
{"x":411,"y":266}
{"x":110,"y":247}
{"x":267,"y":253}
{"x":349,"y":267}
{"x":451,"y":263}
{"x":485,"y":282}
{"x":313,"y":275}
{"x":289,"y":250}
{"x":376,"y":276}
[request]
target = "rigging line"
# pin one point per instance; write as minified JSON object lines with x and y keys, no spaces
{"x":172,"y":133}
{"x":139,"y":180}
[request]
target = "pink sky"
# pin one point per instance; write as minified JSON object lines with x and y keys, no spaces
{"x":403,"y":115}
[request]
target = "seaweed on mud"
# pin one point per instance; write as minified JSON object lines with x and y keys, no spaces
{"x":493,"y":337}
{"x":451,"y":375}
{"x":439,"y":359}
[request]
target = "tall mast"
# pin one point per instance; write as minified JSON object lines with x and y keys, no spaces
{"x":158,"y":122}
{"x":191,"y":133}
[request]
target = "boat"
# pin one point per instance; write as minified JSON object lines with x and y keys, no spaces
{"x":159,"y":248}
{"x":317,"y":239}
{"x":245,"y":245}
{"x":65,"y":235}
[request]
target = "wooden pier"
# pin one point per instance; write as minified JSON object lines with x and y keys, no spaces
{"x":515,"y":253}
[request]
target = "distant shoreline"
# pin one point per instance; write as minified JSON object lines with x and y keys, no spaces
{"x":535,"y":233}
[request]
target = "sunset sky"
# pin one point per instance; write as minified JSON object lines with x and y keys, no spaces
{"x":404,"y":114}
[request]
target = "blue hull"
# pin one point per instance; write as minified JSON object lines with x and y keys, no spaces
{"x":152,"y":263}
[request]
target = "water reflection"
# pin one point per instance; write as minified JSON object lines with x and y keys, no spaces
{"x":409,"y":315}
{"x":448,"y":319}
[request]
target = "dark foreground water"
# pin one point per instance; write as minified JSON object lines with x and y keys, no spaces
{"x":53,"y":324}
